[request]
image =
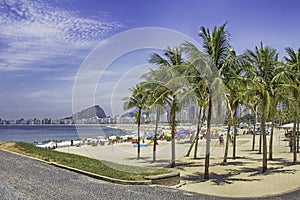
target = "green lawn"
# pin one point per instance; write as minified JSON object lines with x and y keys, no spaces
{"x":103,"y":168}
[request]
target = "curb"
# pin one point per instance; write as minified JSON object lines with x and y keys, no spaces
{"x":100,"y":177}
{"x":169,"y":179}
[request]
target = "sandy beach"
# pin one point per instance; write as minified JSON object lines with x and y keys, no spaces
{"x":240,"y":178}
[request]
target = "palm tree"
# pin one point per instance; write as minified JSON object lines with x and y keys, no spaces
{"x":159,"y":111}
{"x":155,"y":105}
{"x":137,"y":100}
{"x":215,"y":46}
{"x":232,"y":79}
{"x":195,"y":141}
{"x":195,"y":91}
{"x":250,"y":100}
{"x":293,"y":61}
{"x":279,"y":94}
{"x":263,"y":63}
{"x":167,"y":78}
{"x":200,"y":120}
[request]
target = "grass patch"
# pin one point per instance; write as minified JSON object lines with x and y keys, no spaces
{"x":103,"y":168}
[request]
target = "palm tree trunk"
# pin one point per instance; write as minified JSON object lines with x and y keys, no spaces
{"x":271,"y":139}
{"x":173,"y":126}
{"x":234,"y":134}
{"x":260,"y":141}
{"x":228,"y":137}
{"x":207,"y":151}
{"x":264,"y":136}
{"x":155,"y":134}
{"x":197,"y":137}
{"x":297,"y":123}
{"x":294,"y":139}
{"x":254,"y":134}
{"x":139,"y":137}
{"x":198,"y":132}
{"x":191,"y":147}
{"x":227,"y":144}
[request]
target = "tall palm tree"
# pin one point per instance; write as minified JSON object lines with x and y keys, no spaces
{"x":137,"y":100}
{"x":159,"y":109}
{"x":279,"y":94}
{"x":293,"y":61}
{"x":200,"y":121}
{"x":195,"y":90}
{"x":155,"y":105}
{"x":250,"y":100}
{"x":215,"y":47}
{"x":263,"y":63}
{"x":167,"y":78}
{"x":233,"y":81}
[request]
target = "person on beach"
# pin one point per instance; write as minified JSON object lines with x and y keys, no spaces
{"x":291,"y":144}
{"x":221,"y":139}
{"x":231,"y":138}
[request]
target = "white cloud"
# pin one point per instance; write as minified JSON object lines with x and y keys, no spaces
{"x":48,"y":96}
{"x":38,"y":32}
{"x":61,"y":78}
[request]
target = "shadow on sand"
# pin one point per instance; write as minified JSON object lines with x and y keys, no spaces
{"x":231,"y":175}
{"x":148,"y":160}
{"x":217,"y":179}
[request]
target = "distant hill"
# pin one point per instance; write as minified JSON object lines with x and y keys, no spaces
{"x":92,"y":112}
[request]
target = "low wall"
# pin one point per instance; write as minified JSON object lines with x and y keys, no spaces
{"x":172,"y":178}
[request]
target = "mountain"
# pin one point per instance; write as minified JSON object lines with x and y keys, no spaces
{"x":92,"y":112}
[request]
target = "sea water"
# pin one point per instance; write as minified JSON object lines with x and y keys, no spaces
{"x":41,"y":133}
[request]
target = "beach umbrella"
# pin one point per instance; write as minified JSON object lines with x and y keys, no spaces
{"x":167,"y":133}
{"x":183,"y":131}
{"x":290,"y":125}
{"x":113,"y":137}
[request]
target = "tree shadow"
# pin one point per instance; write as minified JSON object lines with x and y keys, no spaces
{"x":148,"y":160}
{"x":228,"y":178}
{"x":218,"y":179}
{"x":247,"y":150}
{"x":235,"y":163}
{"x":270,"y":171}
{"x":249,"y":158}
{"x":194,"y":164}
{"x":281,"y":161}
{"x":141,"y":158}
{"x":183,"y":165}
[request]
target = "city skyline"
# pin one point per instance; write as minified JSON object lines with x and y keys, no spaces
{"x":43,"y":44}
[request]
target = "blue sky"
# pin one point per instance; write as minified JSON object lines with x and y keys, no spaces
{"x":44,"y":43}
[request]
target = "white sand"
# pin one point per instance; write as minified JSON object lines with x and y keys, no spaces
{"x":240,"y":178}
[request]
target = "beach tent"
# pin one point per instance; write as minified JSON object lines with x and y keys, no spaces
{"x":183,"y":131}
{"x":167,"y":133}
{"x":287,"y":126}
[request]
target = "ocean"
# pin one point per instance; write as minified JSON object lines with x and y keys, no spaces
{"x":41,"y":133}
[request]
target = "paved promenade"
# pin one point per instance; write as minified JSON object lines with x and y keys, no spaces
{"x":24,"y":178}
